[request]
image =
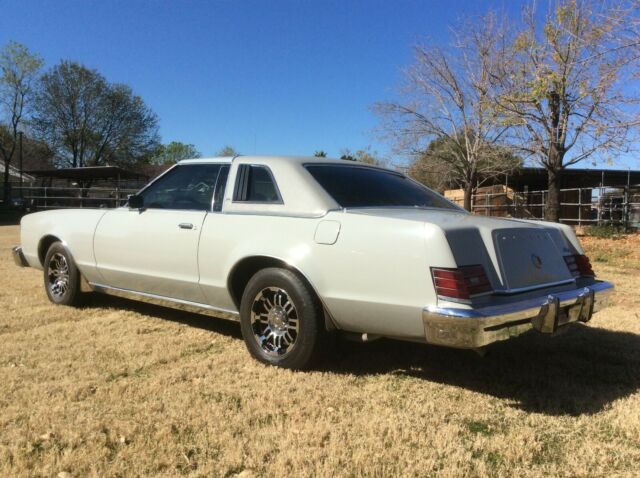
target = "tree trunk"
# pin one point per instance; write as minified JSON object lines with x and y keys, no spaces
{"x":552,"y":205}
{"x":468,"y":195}
{"x":469,"y":188}
{"x":5,"y":182}
{"x":554,"y":160}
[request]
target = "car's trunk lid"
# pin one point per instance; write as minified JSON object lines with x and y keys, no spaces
{"x":528,"y":258}
{"x":517,"y":256}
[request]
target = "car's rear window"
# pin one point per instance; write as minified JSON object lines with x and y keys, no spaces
{"x":358,"y":186}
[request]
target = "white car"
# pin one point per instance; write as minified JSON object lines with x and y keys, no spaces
{"x":298,"y":248}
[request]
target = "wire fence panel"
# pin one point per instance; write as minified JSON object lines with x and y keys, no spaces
{"x":616,"y":206}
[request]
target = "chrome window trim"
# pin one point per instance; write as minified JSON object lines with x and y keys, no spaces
{"x":278,"y":213}
{"x":212,"y":208}
{"x":280,"y":201}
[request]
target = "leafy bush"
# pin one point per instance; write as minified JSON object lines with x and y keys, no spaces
{"x":606,"y":232}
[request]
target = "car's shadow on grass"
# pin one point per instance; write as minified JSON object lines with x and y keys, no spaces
{"x":581,"y":371}
{"x":213,"y":324}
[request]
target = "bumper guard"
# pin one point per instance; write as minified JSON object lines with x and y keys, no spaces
{"x":18,"y":256}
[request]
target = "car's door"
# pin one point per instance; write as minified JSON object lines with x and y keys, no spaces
{"x":155,"y":249}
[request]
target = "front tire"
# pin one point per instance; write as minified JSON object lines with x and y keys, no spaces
{"x":282,"y":320}
{"x":61,"y":276}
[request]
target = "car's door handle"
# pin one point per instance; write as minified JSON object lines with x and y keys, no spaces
{"x":185,"y":225}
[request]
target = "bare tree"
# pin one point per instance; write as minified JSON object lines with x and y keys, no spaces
{"x":447,"y":97}
{"x":90,"y":122}
{"x":19,"y":69}
{"x":566,"y":86}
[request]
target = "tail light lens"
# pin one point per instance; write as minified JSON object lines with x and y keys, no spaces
{"x":579,"y":265}
{"x":461,"y":283}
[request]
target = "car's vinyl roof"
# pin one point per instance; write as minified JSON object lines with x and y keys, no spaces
{"x":219,"y":159}
{"x":278,"y":159}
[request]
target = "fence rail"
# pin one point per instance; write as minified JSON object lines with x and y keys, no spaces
{"x":578,"y":206}
{"x":69,"y":197}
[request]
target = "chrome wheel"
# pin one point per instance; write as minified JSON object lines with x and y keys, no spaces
{"x":58,"y":275}
{"x":274,"y":321}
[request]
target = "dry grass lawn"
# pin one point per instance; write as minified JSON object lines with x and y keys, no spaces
{"x":119,"y":388}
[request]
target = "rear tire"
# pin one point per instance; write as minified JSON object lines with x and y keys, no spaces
{"x":282,"y":320}
{"x":61,"y":276}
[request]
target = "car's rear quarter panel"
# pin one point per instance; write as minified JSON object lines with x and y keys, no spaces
{"x":377,"y":275}
{"x":374,"y":279}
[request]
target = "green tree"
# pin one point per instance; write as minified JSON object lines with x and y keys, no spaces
{"x":36,"y":154}
{"x":320,"y":154}
{"x":173,"y":152}
{"x":362,"y":155}
{"x":437,"y":167}
{"x":228,"y":151}
{"x":91,"y":122}
{"x":569,"y":86}
{"x":18,"y":72}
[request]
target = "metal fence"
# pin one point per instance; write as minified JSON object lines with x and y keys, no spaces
{"x":617,"y":206}
{"x":42,"y":197}
{"x":578,"y":206}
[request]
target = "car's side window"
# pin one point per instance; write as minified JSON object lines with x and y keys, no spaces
{"x":184,"y":187}
{"x":255,"y":184}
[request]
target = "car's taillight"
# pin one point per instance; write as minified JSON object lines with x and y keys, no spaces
{"x":461,"y":283}
{"x":579,"y":265}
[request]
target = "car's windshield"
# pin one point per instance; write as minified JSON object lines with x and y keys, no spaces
{"x":358,"y":186}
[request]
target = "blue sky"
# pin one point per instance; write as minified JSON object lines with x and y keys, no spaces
{"x":267,"y":77}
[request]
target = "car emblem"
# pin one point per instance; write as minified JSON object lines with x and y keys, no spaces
{"x":536,"y":261}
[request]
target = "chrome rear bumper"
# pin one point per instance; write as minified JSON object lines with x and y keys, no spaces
{"x":18,"y":256}
{"x":473,"y":328}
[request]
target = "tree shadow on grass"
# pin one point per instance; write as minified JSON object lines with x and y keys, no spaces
{"x":580,"y":371}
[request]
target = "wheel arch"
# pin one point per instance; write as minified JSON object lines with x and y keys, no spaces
{"x":247,"y":267}
{"x":44,"y":244}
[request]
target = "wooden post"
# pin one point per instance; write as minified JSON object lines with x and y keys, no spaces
{"x":487,"y":212}
{"x":579,"y":206}
{"x":118,"y":191}
{"x":600,"y":200}
{"x":627,"y":200}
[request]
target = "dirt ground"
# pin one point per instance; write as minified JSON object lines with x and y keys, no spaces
{"x":120,"y":388}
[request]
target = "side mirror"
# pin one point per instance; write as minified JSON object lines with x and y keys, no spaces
{"x":136,"y":201}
